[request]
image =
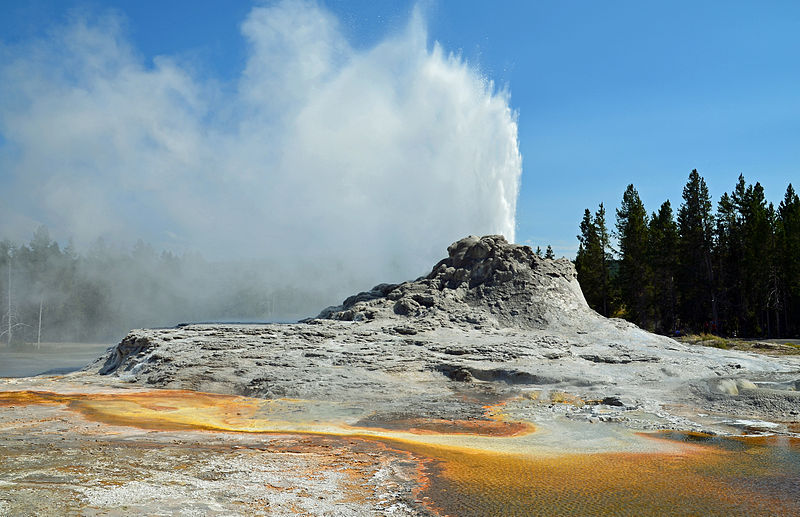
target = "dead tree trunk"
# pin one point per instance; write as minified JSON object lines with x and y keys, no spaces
{"x":8,"y":337}
{"x":39,"y":334}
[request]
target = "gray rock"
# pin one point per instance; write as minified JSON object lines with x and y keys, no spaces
{"x":484,"y":281}
{"x":488,"y":322}
{"x":744,"y":384}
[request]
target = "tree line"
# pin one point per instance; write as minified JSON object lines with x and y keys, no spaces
{"x":733,"y":271}
{"x":53,"y":293}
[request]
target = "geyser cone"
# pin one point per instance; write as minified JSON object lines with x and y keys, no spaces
{"x":483,"y":281}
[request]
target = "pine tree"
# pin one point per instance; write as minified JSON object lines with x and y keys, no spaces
{"x":727,"y":262}
{"x":586,"y":263}
{"x":538,"y":252}
{"x":38,"y":261}
{"x":663,"y":259}
{"x":788,"y":251}
{"x":548,"y":254}
{"x":774,"y":283}
{"x":696,"y":280}
{"x":757,"y":236}
{"x":746,"y":261}
{"x":604,"y":242}
{"x":593,"y":261}
{"x":634,"y":278}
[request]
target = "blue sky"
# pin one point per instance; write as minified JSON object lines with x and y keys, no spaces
{"x":607,"y":93}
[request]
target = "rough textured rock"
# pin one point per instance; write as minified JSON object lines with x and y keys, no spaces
{"x":132,"y":346}
{"x":484,"y":281}
{"x":491,"y":322}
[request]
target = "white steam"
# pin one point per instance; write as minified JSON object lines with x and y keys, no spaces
{"x":366,"y":163}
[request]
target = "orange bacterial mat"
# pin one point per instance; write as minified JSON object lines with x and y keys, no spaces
{"x":700,"y":476}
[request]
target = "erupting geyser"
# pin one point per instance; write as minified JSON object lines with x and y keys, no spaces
{"x":364,"y":162}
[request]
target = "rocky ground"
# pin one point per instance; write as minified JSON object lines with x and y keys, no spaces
{"x":56,"y":462}
{"x":493,"y":337}
{"x":492,"y":321}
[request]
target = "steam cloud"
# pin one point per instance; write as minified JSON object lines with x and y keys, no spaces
{"x":364,"y":163}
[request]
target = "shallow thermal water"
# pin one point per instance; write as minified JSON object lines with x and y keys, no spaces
{"x":51,"y":358}
{"x":499,"y":470}
{"x":721,"y":477}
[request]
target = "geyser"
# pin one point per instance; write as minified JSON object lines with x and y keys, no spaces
{"x":363,"y":163}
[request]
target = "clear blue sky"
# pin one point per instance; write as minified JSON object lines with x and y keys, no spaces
{"x":607,"y":93}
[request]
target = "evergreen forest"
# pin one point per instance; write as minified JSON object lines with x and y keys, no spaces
{"x":731,"y":270}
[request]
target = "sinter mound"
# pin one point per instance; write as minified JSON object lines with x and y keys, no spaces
{"x":484,"y":281}
{"x":490,"y":321}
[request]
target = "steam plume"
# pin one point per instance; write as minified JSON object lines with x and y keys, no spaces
{"x":362,"y":163}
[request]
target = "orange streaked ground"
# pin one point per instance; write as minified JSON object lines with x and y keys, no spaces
{"x":759,"y":479}
{"x":431,"y":426}
{"x":163,"y":410}
{"x":181,"y":409}
{"x":493,"y":424}
{"x":705,"y":477}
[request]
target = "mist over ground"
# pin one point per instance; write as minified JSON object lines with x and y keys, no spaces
{"x":61,"y":295}
{"x":321,"y":170}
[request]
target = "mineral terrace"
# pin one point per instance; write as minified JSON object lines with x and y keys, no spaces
{"x":493,"y":319}
{"x":492,"y":336}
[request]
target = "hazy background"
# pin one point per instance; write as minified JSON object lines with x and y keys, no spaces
{"x":320,"y":170}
